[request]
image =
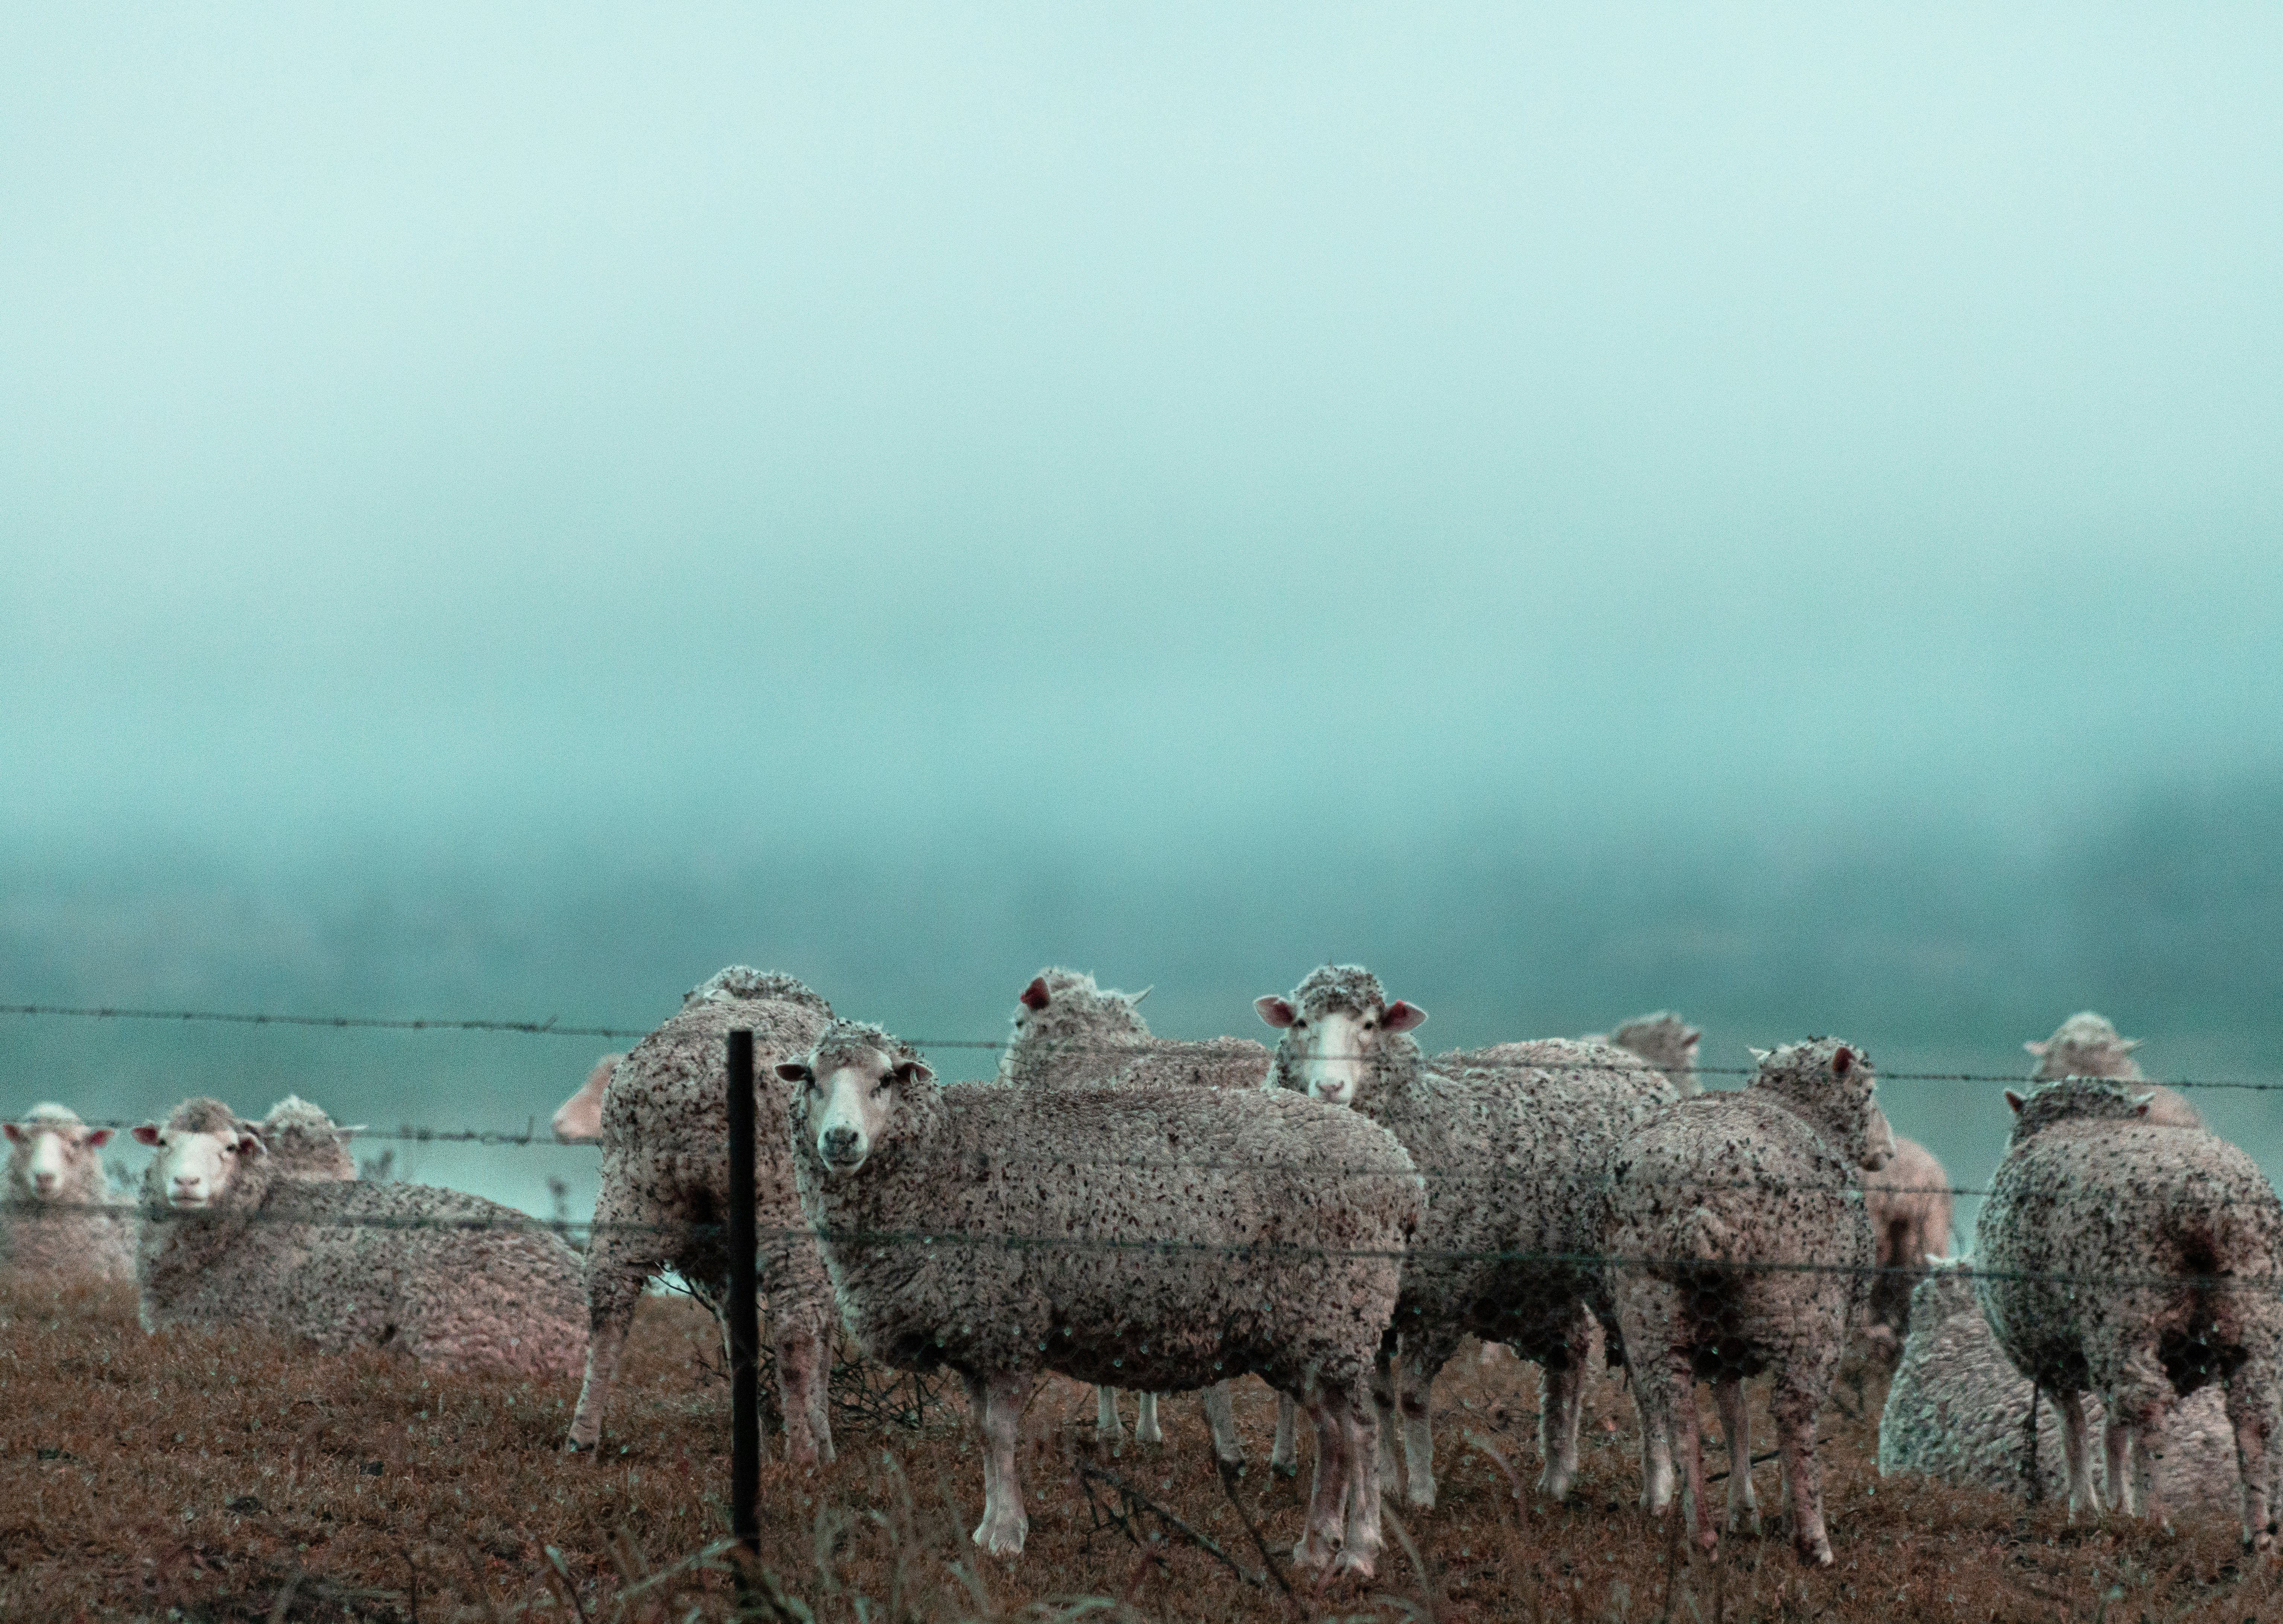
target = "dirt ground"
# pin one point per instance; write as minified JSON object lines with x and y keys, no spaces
{"x":228,"y":1476}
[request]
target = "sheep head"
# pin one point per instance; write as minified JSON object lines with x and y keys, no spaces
{"x":579,"y":1120}
{"x":849,"y":1089}
{"x":1339,"y":1031}
{"x":51,"y":1151}
{"x":2085,"y":1046}
{"x":2075,"y":1099}
{"x":1830,"y":1084}
{"x":1069,"y":1030}
{"x":203,"y":1151}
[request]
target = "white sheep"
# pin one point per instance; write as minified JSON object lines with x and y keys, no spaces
{"x":444,"y":1276}
{"x":2140,"y":1263}
{"x":1512,"y":1142}
{"x":1169,"y":1237}
{"x":2086,"y":1045}
{"x":1908,"y":1202}
{"x":666,"y":1183}
{"x":60,"y":1216}
{"x":579,"y":1120}
{"x":303,"y":1142}
{"x":1664,"y":1040}
{"x":1069,"y":1031}
{"x":1737,"y":1242}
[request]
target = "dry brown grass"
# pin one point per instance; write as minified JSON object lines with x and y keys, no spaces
{"x":230,"y":1477}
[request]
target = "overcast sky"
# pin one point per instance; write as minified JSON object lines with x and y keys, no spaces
{"x":502,"y":424}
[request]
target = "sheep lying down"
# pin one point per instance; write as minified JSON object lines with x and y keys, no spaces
{"x":1161,"y":1238}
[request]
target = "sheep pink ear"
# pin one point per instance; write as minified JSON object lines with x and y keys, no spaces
{"x":97,"y":1138}
{"x":2037,"y":1049}
{"x":147,"y":1134}
{"x":2141,"y":1102}
{"x":914,"y":1071}
{"x":1689,"y":1042}
{"x":2016,"y":1100}
{"x":15,"y":1134}
{"x":250,"y":1141}
{"x":1035,"y":996}
{"x":1842,"y":1061}
{"x":1401,"y":1017}
{"x":1276,"y":1011}
{"x":794,"y":1071}
{"x":2128,"y":1044}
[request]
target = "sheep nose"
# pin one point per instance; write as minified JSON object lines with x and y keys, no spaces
{"x":840,"y":1144}
{"x":43,"y":1182}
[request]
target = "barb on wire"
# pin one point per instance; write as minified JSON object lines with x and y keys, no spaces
{"x":547,"y":1028}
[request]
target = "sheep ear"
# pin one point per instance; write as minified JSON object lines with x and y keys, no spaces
{"x":1842,"y":1061}
{"x":250,"y":1141}
{"x":1401,"y":1017}
{"x":914,"y":1071}
{"x":15,"y":1134}
{"x":1035,"y":996}
{"x":2141,"y":1102}
{"x":1276,"y":1011}
{"x":1759,"y":1056}
{"x":794,"y":1071}
{"x":1134,"y":998}
{"x":97,"y":1138}
{"x":147,"y":1134}
{"x":1689,"y":1042}
{"x":2128,"y":1044}
{"x":2037,"y":1049}
{"x":2016,"y":1100}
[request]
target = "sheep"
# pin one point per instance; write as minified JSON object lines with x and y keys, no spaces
{"x":1512,"y":1142}
{"x":579,"y":1120}
{"x":1908,"y":1202}
{"x":1664,"y":1040}
{"x":1959,"y":1413}
{"x":1069,"y":1031}
{"x":1169,"y":1237}
{"x":2086,"y":1045}
{"x":305,"y":1143}
{"x":1737,"y":1242}
{"x":60,"y":1215}
{"x":448,"y":1278}
{"x":666,"y":1182}
{"x":2140,"y":1262}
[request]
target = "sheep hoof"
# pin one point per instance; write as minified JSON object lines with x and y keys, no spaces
{"x":1285,"y":1468}
{"x":1002,"y":1539}
{"x":1352,"y":1565}
{"x":1745,"y":1522}
{"x":1818,"y":1555}
{"x":1421,"y":1497}
{"x":1312,"y":1555}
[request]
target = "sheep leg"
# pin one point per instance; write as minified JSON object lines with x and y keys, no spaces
{"x":1656,"y":1461}
{"x":2251,"y":1410}
{"x":1689,"y":1444}
{"x":1107,"y":1427}
{"x":1794,"y":1405}
{"x":1652,"y":1402}
{"x":620,"y":1263}
{"x":2116,"y":1459}
{"x":1335,"y":1457}
{"x":1145,"y":1419}
{"x":997,"y":1403}
{"x":1360,"y":1540}
{"x":1736,"y":1428}
{"x":2138,"y":1395}
{"x":1383,"y":1404}
{"x":1558,"y":1408}
{"x":1415,"y":1398}
{"x":803,"y":1360}
{"x":1284,"y":1456}
{"x":1220,"y":1419}
{"x":2084,"y":1498}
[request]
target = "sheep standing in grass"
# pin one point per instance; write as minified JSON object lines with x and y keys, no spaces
{"x":305,"y":1143}
{"x":666,"y":1186}
{"x":1959,"y":1413}
{"x":2086,"y":1045}
{"x":579,"y":1120}
{"x":60,"y":1216}
{"x":1512,"y":1152}
{"x":1169,"y":1237}
{"x":1909,"y":1204}
{"x":2139,"y":1262}
{"x":1070,"y":1032}
{"x":1738,"y":1243}
{"x":449,"y":1278}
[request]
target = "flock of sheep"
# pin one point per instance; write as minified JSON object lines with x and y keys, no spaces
{"x":1333,"y":1216}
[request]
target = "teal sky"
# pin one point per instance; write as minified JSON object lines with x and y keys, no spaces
{"x":498,"y":424}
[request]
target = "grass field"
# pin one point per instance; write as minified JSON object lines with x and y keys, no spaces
{"x":226,"y":1476}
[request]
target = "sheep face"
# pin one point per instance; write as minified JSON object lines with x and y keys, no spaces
{"x":1331,"y":1041}
{"x":2085,"y":1046}
{"x":579,"y":1120}
{"x":848,"y":1101}
{"x":1879,"y":1141}
{"x":48,"y":1145}
{"x":194,"y":1168}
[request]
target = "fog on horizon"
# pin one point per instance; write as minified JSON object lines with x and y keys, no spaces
{"x":503,"y":513}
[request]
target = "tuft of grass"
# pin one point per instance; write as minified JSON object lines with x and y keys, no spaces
{"x":227,"y":1476}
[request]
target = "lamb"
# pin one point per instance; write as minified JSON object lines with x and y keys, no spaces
{"x":1169,"y":1237}
{"x":448,"y":1278}
{"x":305,"y":1143}
{"x":2086,"y":1045}
{"x":666,"y":1183}
{"x":1512,"y":1141}
{"x":1959,"y":1413}
{"x":579,"y":1120}
{"x":2140,"y":1262}
{"x":1664,"y":1040}
{"x":1069,"y":1031}
{"x":1738,"y":1242}
{"x":60,"y":1216}
{"x":1909,"y":1204}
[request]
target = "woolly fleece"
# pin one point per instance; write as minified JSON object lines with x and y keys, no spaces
{"x":59,"y":1238}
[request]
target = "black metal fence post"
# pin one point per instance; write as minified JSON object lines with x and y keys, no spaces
{"x":744,"y":1356}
